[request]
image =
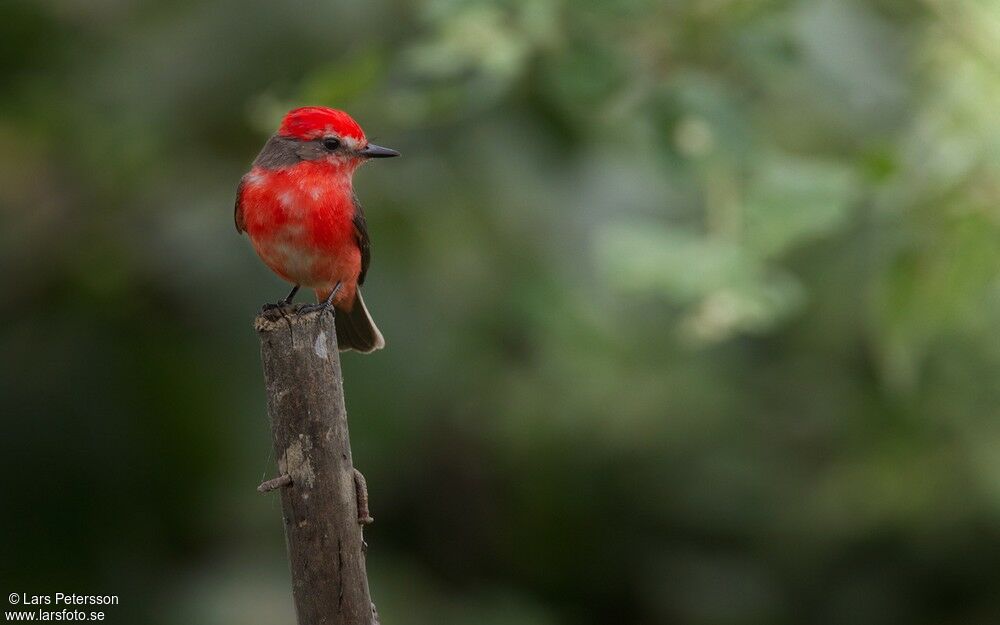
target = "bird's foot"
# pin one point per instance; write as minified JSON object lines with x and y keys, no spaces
{"x":318,"y":307}
{"x":325,"y":305}
{"x":283,"y":305}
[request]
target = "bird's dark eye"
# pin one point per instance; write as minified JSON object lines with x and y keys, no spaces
{"x":331,"y":143}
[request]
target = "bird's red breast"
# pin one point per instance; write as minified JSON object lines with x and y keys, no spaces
{"x":300,"y":220}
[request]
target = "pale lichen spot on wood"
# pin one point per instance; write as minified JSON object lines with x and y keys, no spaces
{"x":320,"y":346}
{"x":295,"y":461}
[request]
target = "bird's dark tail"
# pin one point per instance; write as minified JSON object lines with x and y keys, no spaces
{"x":356,"y":330}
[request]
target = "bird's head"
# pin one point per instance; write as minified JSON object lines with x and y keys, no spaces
{"x":318,"y":133}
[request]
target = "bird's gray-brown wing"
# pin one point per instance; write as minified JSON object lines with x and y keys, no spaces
{"x":238,"y":210}
{"x":361,"y":237}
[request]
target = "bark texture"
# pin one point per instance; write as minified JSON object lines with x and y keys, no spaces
{"x":305,"y":400}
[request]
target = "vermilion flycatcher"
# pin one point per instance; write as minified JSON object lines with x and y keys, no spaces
{"x":297,"y":205}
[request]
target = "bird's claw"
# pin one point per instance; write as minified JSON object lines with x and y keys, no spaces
{"x":319,"y":307}
{"x":282,"y":305}
{"x":325,"y":305}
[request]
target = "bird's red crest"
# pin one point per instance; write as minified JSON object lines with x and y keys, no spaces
{"x":312,"y":122}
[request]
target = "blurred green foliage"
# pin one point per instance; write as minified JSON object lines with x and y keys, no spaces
{"x":691,"y":306}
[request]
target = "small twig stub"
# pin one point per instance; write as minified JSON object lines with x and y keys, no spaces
{"x":276,"y":483}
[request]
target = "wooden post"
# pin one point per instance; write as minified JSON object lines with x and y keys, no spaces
{"x":320,"y":495}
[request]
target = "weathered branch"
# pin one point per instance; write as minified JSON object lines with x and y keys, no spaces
{"x":319,"y":492}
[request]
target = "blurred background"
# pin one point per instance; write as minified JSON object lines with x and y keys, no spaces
{"x":691,"y":307}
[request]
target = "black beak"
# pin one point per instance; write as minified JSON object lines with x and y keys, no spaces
{"x":377,"y":151}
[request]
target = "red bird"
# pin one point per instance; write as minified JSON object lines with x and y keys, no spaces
{"x":297,"y":205}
